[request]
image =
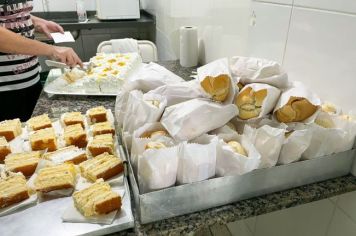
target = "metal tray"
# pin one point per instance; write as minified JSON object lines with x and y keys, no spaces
{"x":46,"y":217}
{"x":52,"y":90}
{"x":183,"y":199}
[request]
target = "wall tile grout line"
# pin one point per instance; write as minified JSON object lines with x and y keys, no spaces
{"x":331,"y":218}
{"x":289,"y":24}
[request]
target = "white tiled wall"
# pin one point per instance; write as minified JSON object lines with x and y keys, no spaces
{"x":223,"y":25}
{"x":61,"y":5}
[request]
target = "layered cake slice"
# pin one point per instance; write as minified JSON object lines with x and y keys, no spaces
{"x":4,"y":149}
{"x":97,"y":114}
{"x":10,"y":129}
{"x":75,"y":135}
{"x":25,"y":163}
{"x":13,"y":189}
{"x":103,"y":166}
{"x":55,"y":178}
{"x":100,"y":144}
{"x":68,"y":154}
{"x":102,"y":128}
{"x":97,"y":199}
{"x":72,"y":118}
{"x":43,"y":139}
{"x":39,"y":122}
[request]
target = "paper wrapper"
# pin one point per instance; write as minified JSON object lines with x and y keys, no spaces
{"x":226,"y":129}
{"x":258,"y":70}
{"x":157,"y":169}
{"x":269,"y":102}
{"x":193,"y":118}
{"x":180,"y":92}
{"x":141,"y":112}
{"x":53,"y":194}
{"x":216,"y":68}
{"x":197,"y":160}
{"x":149,"y":77}
{"x":138,"y":143}
{"x":298,"y":90}
{"x":326,"y":141}
{"x":268,"y":142}
{"x":294,"y":146}
{"x":71,"y":214}
{"x":229,"y":163}
{"x":17,"y":145}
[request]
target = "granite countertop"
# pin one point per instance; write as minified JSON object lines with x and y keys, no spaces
{"x":69,"y":20}
{"x":219,"y":215}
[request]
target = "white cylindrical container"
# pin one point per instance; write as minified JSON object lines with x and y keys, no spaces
{"x":81,"y":11}
{"x":189,"y":51}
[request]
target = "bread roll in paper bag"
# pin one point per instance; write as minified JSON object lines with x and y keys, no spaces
{"x":295,"y":143}
{"x":231,"y":162}
{"x":149,"y":77}
{"x":180,"y":92}
{"x":216,"y":81}
{"x":297,"y":104}
{"x":142,"y":109}
{"x":256,"y":101}
{"x":157,"y":168}
{"x":268,"y":142}
{"x":197,"y":159}
{"x":142,"y":136}
{"x":330,"y":134}
{"x":257,"y":70}
{"x":193,"y":118}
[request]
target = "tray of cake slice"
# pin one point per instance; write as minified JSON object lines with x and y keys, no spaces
{"x":69,"y":172}
{"x":105,"y":74}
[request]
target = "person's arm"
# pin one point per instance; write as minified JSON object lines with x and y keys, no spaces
{"x":46,"y":27}
{"x":11,"y":42}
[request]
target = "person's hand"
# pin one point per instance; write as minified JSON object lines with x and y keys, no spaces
{"x":47,"y":27}
{"x":66,"y":55}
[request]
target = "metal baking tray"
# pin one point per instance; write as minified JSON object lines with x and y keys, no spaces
{"x":45,"y":218}
{"x":52,"y":90}
{"x":183,"y":199}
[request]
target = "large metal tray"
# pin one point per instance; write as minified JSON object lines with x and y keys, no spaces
{"x":183,"y":199}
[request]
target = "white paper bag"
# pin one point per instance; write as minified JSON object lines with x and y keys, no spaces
{"x":298,"y":89}
{"x":149,"y":77}
{"x":193,"y":118}
{"x":157,"y":169}
{"x":229,"y":163}
{"x":138,"y":143}
{"x":140,"y":111}
{"x":258,"y":70}
{"x":214,"y":69}
{"x":269,"y":102}
{"x":229,"y":128}
{"x":294,"y":145}
{"x":268,"y":142}
{"x":180,"y":92}
{"x":197,"y":160}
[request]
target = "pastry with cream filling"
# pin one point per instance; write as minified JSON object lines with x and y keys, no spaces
{"x":13,"y":189}
{"x":72,"y":118}
{"x":102,"y":128}
{"x":10,"y":129}
{"x":98,"y":199}
{"x":100,"y":144}
{"x":39,"y":122}
{"x":43,"y":139}
{"x":57,"y":177}
{"x":102,"y":166}
{"x":4,"y":149}
{"x":97,"y":114}
{"x":25,"y":162}
{"x":75,"y":135}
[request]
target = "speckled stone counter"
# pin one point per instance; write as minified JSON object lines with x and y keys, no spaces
{"x":220,"y":215}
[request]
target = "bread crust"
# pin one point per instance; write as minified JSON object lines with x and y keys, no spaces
{"x":3,"y":153}
{"x":108,"y":206}
{"x":9,"y":135}
{"x":27,"y":170}
{"x":19,"y":197}
{"x":104,"y":131}
{"x":40,"y":145}
{"x":79,"y":159}
{"x":70,"y":122}
{"x":55,"y":187}
{"x":44,"y":126}
{"x":95,"y":151}
{"x":79,"y":141}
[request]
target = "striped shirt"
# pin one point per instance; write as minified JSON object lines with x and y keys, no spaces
{"x":17,"y":71}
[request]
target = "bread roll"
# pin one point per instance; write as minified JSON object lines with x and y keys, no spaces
{"x":297,"y":109}
{"x":153,"y":134}
{"x":250,"y":102}
{"x":329,"y":108}
{"x":218,"y":87}
{"x":237,"y":147}
{"x":154,"y":145}
{"x":324,"y":122}
{"x":153,"y":103}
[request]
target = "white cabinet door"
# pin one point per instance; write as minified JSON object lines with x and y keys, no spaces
{"x":268,"y":30}
{"x":348,"y":6}
{"x":321,"y":52}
